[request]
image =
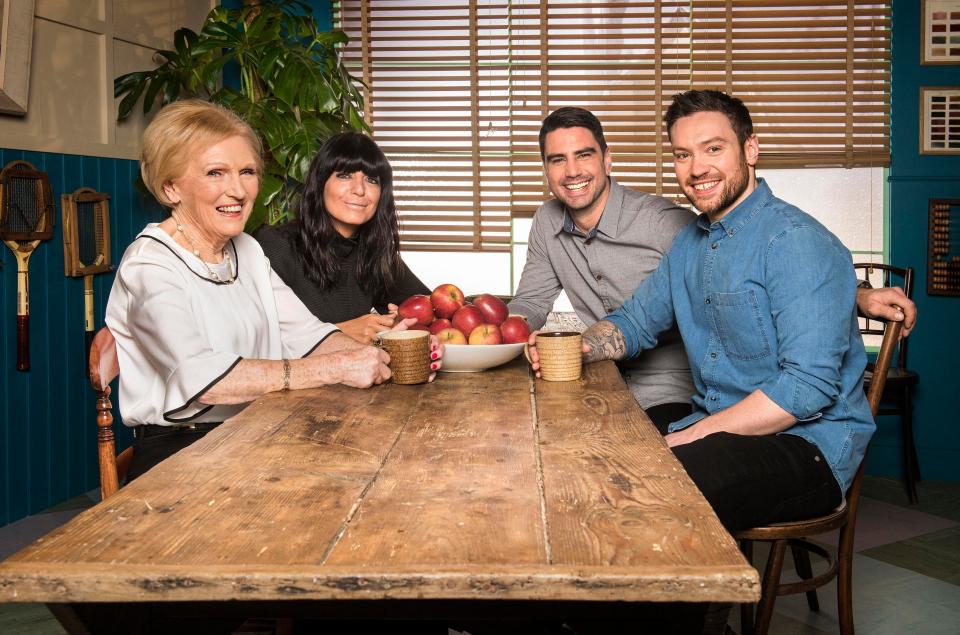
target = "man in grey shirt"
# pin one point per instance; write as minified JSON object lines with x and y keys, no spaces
{"x":598,"y":241}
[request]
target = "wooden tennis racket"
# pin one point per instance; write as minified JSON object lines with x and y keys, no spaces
{"x":86,"y":246}
{"x":26,"y":218}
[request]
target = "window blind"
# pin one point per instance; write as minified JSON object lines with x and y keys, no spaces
{"x":455,"y":92}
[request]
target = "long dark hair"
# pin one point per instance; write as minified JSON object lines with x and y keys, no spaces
{"x":378,"y":240}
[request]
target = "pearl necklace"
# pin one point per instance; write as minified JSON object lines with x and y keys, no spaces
{"x":196,"y":252}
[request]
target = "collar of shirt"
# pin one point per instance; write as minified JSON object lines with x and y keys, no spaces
{"x":609,"y":219}
{"x":735,"y":219}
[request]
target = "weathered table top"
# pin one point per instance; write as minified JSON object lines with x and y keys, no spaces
{"x":479,"y":486}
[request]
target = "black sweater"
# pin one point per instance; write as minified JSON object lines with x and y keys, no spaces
{"x":346,"y":300}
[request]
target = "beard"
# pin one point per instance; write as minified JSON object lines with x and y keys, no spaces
{"x":733,"y":187}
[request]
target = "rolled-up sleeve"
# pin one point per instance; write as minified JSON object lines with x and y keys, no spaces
{"x":300,"y":330}
{"x":160,"y":319}
{"x":812,"y":291}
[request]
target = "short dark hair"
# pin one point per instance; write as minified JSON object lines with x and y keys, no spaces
{"x":572,"y":117}
{"x":694,"y":101}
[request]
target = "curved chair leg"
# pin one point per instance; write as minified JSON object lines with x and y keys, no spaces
{"x":911,"y":465}
{"x":746,"y":610}
{"x":801,"y":563}
{"x":771,"y":580}
{"x":845,"y":586}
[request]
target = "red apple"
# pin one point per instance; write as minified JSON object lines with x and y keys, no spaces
{"x":447,"y":299}
{"x":485,"y":334}
{"x":419,"y":307}
{"x":467,"y":318}
{"x":451,"y":336}
{"x":493,"y":309}
{"x":439,"y":325}
{"x":515,"y":330}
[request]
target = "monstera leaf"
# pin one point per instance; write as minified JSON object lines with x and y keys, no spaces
{"x":293,"y":88}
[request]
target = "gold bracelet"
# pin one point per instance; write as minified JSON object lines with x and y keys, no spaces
{"x":286,"y":375}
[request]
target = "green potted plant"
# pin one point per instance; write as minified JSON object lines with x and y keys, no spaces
{"x":293,"y":88}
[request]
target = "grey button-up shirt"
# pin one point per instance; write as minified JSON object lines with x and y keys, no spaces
{"x":601,"y":270}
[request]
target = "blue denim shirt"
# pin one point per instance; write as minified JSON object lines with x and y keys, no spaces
{"x":765,"y":299}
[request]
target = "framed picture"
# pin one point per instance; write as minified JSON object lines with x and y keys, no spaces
{"x":940,"y":120}
{"x":940,"y":32}
{"x":16,"y":37}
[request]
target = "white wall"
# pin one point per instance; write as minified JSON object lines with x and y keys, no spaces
{"x":79,"y":48}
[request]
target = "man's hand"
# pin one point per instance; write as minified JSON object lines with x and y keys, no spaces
{"x":603,"y":340}
{"x":888,"y":303}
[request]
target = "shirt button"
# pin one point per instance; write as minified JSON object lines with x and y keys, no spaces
{"x":713,"y":398}
{"x":713,"y":355}
{"x":707,"y":301}
{"x":713,"y":246}
{"x":599,"y":277}
{"x":588,"y":241}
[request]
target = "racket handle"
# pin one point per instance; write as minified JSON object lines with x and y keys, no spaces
{"x":23,"y":342}
{"x":88,"y":341}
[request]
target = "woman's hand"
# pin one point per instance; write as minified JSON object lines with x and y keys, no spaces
{"x":360,"y":367}
{"x":436,"y":356}
{"x":365,"y":328}
{"x":404,"y":324}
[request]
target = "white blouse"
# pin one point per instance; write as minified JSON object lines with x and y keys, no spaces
{"x":179,"y":332}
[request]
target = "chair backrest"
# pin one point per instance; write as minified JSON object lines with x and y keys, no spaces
{"x":891,"y":277}
{"x":104,"y":368}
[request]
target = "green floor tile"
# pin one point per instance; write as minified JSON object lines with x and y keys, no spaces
{"x":34,"y":619}
{"x":936,"y":554}
{"x":940,"y":498}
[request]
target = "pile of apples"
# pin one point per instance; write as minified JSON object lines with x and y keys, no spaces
{"x":448,"y":315}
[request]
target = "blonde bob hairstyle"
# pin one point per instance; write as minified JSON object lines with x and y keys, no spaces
{"x":179,"y":131}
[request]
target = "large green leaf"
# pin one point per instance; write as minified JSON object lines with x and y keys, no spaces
{"x":294,"y":89}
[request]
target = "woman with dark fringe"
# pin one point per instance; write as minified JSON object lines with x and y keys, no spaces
{"x":341,"y":252}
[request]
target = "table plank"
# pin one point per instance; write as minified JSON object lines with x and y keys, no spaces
{"x":477,"y":487}
{"x":461,"y":485}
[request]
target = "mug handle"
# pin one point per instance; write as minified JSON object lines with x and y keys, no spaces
{"x":526,"y":352}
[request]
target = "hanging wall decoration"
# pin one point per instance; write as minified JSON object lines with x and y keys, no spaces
{"x":940,"y":32}
{"x":940,"y":120}
{"x":86,"y":245}
{"x":26,"y":218}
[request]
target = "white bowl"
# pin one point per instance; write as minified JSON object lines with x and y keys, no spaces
{"x":471,"y":358}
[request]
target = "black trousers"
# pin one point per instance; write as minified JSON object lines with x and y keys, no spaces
{"x":156,"y":443}
{"x":758,"y":480}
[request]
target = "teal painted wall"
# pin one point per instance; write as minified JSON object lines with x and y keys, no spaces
{"x":47,"y":414}
{"x":915,"y":178}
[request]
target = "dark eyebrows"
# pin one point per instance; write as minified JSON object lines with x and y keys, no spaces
{"x":560,"y":155}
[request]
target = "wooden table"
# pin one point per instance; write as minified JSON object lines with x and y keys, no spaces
{"x":480,"y":486}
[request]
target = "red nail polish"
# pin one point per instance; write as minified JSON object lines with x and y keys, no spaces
{"x":433,"y":356}
{"x":433,"y":367}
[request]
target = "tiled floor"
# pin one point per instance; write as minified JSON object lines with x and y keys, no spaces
{"x":906,"y":571}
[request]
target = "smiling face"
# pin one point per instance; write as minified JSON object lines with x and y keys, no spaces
{"x":351,"y":199}
{"x":577,"y":172}
{"x":714,"y":170}
{"x":216,"y":192}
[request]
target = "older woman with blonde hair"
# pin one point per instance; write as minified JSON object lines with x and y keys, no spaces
{"x":202,"y":323}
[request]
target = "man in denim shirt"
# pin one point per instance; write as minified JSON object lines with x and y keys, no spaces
{"x":763,"y":295}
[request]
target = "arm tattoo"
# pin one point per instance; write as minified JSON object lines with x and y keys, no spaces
{"x":605,"y":341}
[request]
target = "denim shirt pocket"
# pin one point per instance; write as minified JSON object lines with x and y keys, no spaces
{"x":739,"y":325}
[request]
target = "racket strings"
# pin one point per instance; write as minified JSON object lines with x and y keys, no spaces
{"x":89,"y":232}
{"x":23,"y":206}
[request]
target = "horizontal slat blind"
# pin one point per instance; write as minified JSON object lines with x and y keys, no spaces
{"x":815,"y":74}
{"x":457,"y":91}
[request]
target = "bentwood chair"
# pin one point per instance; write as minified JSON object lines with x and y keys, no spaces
{"x":795,"y":534}
{"x":104,"y":368}
{"x":901,"y":381}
